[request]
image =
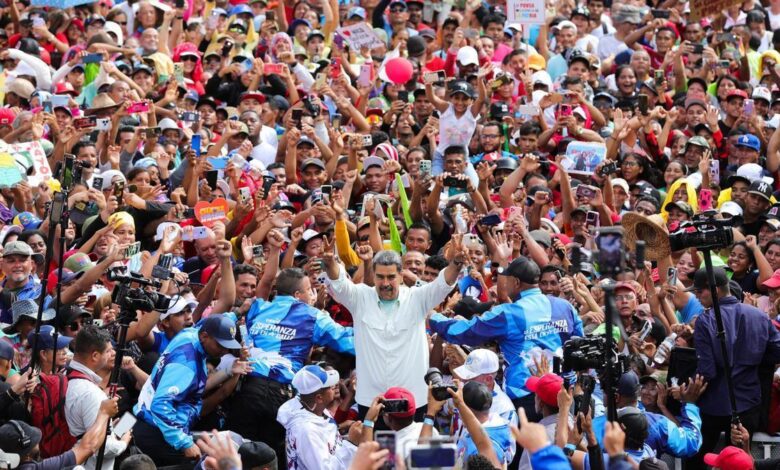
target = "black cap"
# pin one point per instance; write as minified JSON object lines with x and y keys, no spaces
{"x":653,"y":463}
{"x":415,"y":46}
{"x":477,"y":396}
{"x":577,"y":54}
{"x":628,"y":385}
{"x":13,"y":441}
{"x":256,"y":454}
{"x":499,"y":110}
{"x":467,"y":307}
{"x":461,"y":86}
{"x":736,"y":290}
{"x":506,"y":164}
{"x":523,"y":269}
{"x":700,"y":279}
{"x":761,"y":188}
{"x":581,"y":10}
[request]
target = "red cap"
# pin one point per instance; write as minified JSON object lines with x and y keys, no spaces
{"x":7,"y":116}
{"x":625,"y":285}
{"x":736,"y":92}
{"x":730,"y":458}
{"x":563,"y":238}
{"x":545,"y":387}
{"x":65,"y":87}
{"x":773,"y":282}
{"x":400,"y":393}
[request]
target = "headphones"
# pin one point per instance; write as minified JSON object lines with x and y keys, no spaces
{"x":24,"y":439}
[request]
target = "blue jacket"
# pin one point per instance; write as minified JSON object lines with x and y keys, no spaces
{"x":665,"y":437}
{"x":534,"y":323}
{"x":171,"y":398}
{"x":751,"y":340}
{"x":282,"y":334}
{"x":550,"y":458}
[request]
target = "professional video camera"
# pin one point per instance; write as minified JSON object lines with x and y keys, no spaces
{"x":131,"y":299}
{"x":435,"y":379}
{"x":704,"y":232}
{"x":590,"y":352}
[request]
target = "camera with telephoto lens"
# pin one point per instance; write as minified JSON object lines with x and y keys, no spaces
{"x":435,"y":379}
{"x":581,"y":354}
{"x":131,"y":299}
{"x":704,"y":232}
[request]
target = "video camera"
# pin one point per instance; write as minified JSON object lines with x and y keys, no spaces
{"x":131,"y":299}
{"x":590,"y":352}
{"x":704,"y":232}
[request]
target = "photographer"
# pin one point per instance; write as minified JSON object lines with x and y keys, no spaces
{"x":751,"y":339}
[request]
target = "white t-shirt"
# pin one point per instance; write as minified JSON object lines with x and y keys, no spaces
{"x":455,"y":130}
{"x":774,"y":20}
{"x":609,"y":45}
{"x":588,"y":43}
{"x":407,"y":438}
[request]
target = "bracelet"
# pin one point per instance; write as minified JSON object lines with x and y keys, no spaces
{"x":431,"y":417}
{"x":428,"y":421}
{"x":368,"y":423}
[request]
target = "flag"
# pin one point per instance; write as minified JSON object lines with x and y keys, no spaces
{"x":395,"y":237}
{"x":404,"y":201}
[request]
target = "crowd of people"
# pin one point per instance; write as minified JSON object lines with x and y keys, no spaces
{"x":362,"y":234}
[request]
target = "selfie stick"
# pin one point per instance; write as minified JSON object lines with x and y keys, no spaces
{"x":721,"y":333}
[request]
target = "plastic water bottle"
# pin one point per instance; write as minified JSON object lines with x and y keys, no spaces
{"x":664,"y":349}
{"x":460,"y":222}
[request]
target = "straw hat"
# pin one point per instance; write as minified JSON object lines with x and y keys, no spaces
{"x":652,"y":230}
{"x":102,"y":102}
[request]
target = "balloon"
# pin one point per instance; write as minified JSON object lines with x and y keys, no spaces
{"x":399,"y":70}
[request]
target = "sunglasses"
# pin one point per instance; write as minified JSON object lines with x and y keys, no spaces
{"x":398,"y":10}
{"x":237,"y":29}
{"x":189,"y":58}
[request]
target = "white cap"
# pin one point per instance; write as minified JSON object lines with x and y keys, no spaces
{"x":731,"y":207}
{"x":467,"y":56}
{"x":162,"y":227}
{"x":753,"y":172}
{"x":762,"y":93}
{"x":112,"y":27}
{"x":543,"y":78}
{"x":478,"y":362}
{"x":622,"y":183}
{"x":313,"y":378}
{"x":168,"y":123}
{"x":372,"y":161}
{"x":309,"y":234}
{"x":179,"y":306}
{"x":581,"y":113}
{"x":566,"y":24}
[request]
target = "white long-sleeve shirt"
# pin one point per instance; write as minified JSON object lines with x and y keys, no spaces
{"x":313,"y":442}
{"x":82,"y":403}
{"x":41,"y":69}
{"x":390,"y":342}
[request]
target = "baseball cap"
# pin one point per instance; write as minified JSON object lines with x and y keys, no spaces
{"x":357,"y":11}
{"x":28,"y":220}
{"x":370,"y":161}
{"x":400,"y":393}
{"x":736,"y":93}
{"x":750,"y":141}
{"x":731,"y":208}
{"x":461,"y":86}
{"x":222,"y":329}
{"x":523,"y":269}
{"x":762,"y":93}
{"x":182,"y":303}
{"x":477,"y":396}
{"x":545,"y":387}
{"x":313,"y":378}
{"x":700,"y":279}
{"x":478,"y":362}
{"x":542,"y":237}
{"x":312,"y":162}
{"x":14,"y":442}
{"x":7,"y":116}
{"x":79,"y":262}
{"x":6,"y":350}
{"x":499,"y":110}
{"x":761,"y":188}
{"x":17,"y":248}
{"x":47,"y":339}
{"x":467,"y":56}
{"x":628,"y":385}
{"x":730,"y":458}
{"x":415,"y":46}
{"x":427,"y":33}
{"x":252,"y":95}
{"x":681,"y":205}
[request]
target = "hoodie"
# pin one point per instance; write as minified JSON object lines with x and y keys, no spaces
{"x":313,"y":442}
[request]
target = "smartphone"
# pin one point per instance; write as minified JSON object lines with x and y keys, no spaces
{"x":195,"y":144}
{"x":454,"y":182}
{"x":584,"y":192}
{"x":211,"y":178}
{"x":671,"y":276}
{"x":430,"y":78}
{"x":326,"y":192}
{"x":726,"y":37}
{"x":610,"y":247}
{"x":659,"y":78}
{"x":395,"y":406}
{"x":608,"y":169}
{"x":132,"y":250}
{"x":698,"y":48}
{"x":189,"y":116}
{"x":246,"y":65}
{"x":226,"y":48}
{"x":749,"y":107}
{"x":257,"y":253}
{"x":664,"y":14}
{"x":244,"y":195}
{"x":425,"y":167}
{"x":85,"y":122}
{"x":119,"y":190}
{"x":272,"y":69}
{"x":403,"y":95}
{"x":643,"y":104}
{"x":724,"y":63}
{"x":91,"y":298}
{"x":592,"y":220}
{"x":138,"y":107}
{"x":178,"y":72}
{"x":67,"y":171}
{"x":428,"y":456}
{"x":38,"y":22}
{"x":566,"y":110}
{"x":270,"y":15}
{"x":92,"y":59}
{"x":335,"y":67}
{"x":179,"y":4}
{"x":386,"y":440}
{"x":471,"y":241}
{"x":97,"y":183}
{"x":125,"y":424}
{"x":103,"y":124}
{"x":366,"y":72}
{"x":321,"y":81}
{"x":646,"y":328}
{"x":297,"y":115}
{"x":705,"y":199}
{"x":490,"y":220}
{"x":335,"y":121}
{"x":714,"y":171}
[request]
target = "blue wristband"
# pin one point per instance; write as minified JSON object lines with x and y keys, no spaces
{"x":428,"y":421}
{"x":368,"y":423}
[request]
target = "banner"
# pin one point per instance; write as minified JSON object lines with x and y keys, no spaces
{"x":31,"y":155}
{"x":359,"y":35}
{"x":525,"y":11}
{"x":701,"y":8}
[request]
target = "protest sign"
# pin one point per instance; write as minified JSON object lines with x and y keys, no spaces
{"x":525,"y":11}
{"x":583,"y":157}
{"x":30,"y":155}
{"x":359,"y":35}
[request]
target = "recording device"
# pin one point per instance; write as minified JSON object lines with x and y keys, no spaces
{"x":589,"y":352}
{"x":326,"y":190}
{"x":162,"y":270}
{"x":434,"y":77}
{"x":132,"y":250}
{"x":425,"y":168}
{"x":698,"y":48}
{"x":608,"y":169}
{"x":366,"y":72}
{"x":179,"y":4}
{"x":272,"y":69}
{"x":297,"y":116}
{"x":454,"y":182}
{"x":97,"y":183}
{"x":490,"y":220}
{"x":226,"y":48}
{"x":592,"y":220}
{"x":659,"y":78}
{"x":671,"y":276}
{"x":361,"y":140}
{"x":268,"y":181}
{"x":335,"y":68}
{"x":195,"y":143}
{"x":386,"y":440}
{"x":610,"y":247}
{"x":749,"y":107}
{"x":434,"y":455}
{"x":585,"y":192}
{"x":270,"y":15}
{"x":566,"y":110}
{"x":92,"y":59}
{"x":211,"y":179}
{"x":119,"y":190}
{"x":663,"y":14}
{"x":244,"y":195}
{"x":726,"y":37}
{"x":724,"y":63}
{"x":309,"y":106}
{"x":125,"y":424}
{"x":704,"y":232}
{"x":189,"y":116}
{"x":582,"y":403}
{"x":439,"y":389}
{"x":103,"y":124}
{"x":471,"y":241}
{"x":153,"y":132}
{"x":395,"y":406}
{"x":715,"y":171}
{"x":138,"y":107}
{"x":403,"y":95}
{"x":645,"y":329}
{"x":67,"y":171}
{"x":643,"y":104}
{"x":335,"y":120}
{"x":136,"y":298}
{"x":85,"y":122}
{"x":257,"y":253}
{"x":178,"y":72}
{"x":186,"y":213}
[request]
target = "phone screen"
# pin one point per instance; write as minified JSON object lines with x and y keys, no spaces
{"x":125,"y":424}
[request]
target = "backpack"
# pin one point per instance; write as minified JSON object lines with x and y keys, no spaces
{"x":47,"y":407}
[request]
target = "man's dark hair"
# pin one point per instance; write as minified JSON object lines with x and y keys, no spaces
{"x":80,"y":145}
{"x":649,"y":199}
{"x":437,"y":262}
{"x":240,"y":269}
{"x":418,"y":149}
{"x":493,"y":18}
{"x":138,"y":462}
{"x":571,"y":81}
{"x":420,"y":226}
{"x":527,"y":177}
{"x":90,"y":339}
{"x":27,"y":234}
{"x":553,"y":268}
{"x":289,"y":281}
{"x":275,"y":166}
{"x":479,"y":462}
{"x":514,"y":53}
{"x":530,"y":128}
{"x":455,"y":150}
{"x":492,"y":124}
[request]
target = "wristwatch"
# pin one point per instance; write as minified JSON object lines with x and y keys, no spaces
{"x":569,"y":450}
{"x":501,"y":270}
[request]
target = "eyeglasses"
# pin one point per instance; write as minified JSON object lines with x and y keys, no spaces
{"x":630,"y":163}
{"x":627,"y":297}
{"x":123,"y":23}
{"x":398,"y":10}
{"x":189,"y":58}
{"x":490,"y":136}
